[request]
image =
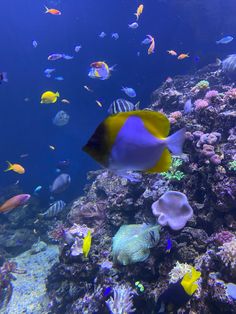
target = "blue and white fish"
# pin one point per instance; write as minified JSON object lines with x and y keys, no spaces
{"x":34,"y":43}
{"x":37,"y":189}
{"x":225,"y":40}
{"x":135,"y":140}
{"x":48,"y":72}
{"x":146,"y":41}
{"x":55,"y":209}
{"x":102,"y":35}
{"x":55,"y":56}
{"x":133,"y":25}
{"x":129,"y":91}
{"x":67,"y":57}
{"x":59,"y":78}
{"x":77,"y":48}
{"x":188,"y":107}
{"x":61,"y":118}
{"x":115,"y":36}
{"x":61,"y":183}
{"x":122,"y":105}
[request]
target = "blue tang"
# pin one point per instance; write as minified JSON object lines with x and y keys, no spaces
{"x":225,"y":40}
{"x":135,"y":140}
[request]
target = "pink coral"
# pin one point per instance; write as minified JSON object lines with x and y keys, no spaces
{"x":231,"y":94}
{"x":211,"y":94}
{"x":201,"y":104}
{"x":223,"y":237}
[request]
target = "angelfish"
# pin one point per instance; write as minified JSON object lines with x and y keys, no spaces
{"x":135,"y":140}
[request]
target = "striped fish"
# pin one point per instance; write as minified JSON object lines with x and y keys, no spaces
{"x":122,"y":105}
{"x":54,"y":209}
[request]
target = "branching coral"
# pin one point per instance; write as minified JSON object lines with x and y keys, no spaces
{"x":178,"y":272}
{"x":227,"y":253}
{"x":122,"y":301}
{"x":173,"y":173}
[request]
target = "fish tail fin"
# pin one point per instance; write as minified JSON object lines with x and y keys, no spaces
{"x":57,"y":94}
{"x":9,"y":166}
{"x":136,"y":14}
{"x":136,"y":106}
{"x":112,"y":68}
{"x":47,"y":9}
{"x":175,"y":142}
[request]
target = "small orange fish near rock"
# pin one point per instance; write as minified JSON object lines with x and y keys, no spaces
{"x":183,"y":56}
{"x":15,"y":167}
{"x":14,"y":202}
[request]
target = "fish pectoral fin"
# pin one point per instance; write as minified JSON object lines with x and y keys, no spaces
{"x":163,"y":163}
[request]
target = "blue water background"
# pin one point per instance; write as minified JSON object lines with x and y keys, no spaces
{"x":26,"y":127}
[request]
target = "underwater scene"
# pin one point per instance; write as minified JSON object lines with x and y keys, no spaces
{"x":118,"y":157}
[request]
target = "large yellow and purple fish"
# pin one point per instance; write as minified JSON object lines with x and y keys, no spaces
{"x":135,"y":140}
{"x":100,"y":70}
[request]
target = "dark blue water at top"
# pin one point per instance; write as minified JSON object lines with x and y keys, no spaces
{"x":26,"y":127}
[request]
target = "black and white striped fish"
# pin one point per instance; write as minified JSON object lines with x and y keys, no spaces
{"x":122,"y":105}
{"x":54,"y":209}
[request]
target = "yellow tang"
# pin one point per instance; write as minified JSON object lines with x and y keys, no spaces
{"x":189,"y":281}
{"x":135,"y":140}
{"x":49,"y":97}
{"x":87,"y":243}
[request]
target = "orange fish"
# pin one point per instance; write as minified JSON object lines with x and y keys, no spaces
{"x":172,"y":52}
{"x":52,"y":11}
{"x":139,"y":11}
{"x":14,"y":202}
{"x":99,"y":103}
{"x":97,"y":64}
{"x":15,"y":167}
{"x":183,"y":56}
{"x":152,"y":45}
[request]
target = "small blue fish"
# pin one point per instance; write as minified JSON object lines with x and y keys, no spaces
{"x":37,"y":189}
{"x":146,"y":41}
{"x":225,"y":40}
{"x":48,"y":72}
{"x":107,"y":291}
{"x":59,"y":78}
{"x":67,"y":57}
{"x":115,"y":36}
{"x":35,"y":44}
{"x":129,"y":91}
{"x":77,"y":48}
{"x":188,"y":107}
{"x":168,"y":245}
{"x":102,"y":35}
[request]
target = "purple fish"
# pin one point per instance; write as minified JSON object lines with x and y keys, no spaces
{"x":55,"y":56}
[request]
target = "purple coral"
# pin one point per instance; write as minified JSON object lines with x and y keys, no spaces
{"x":211,"y":94}
{"x":122,"y":302}
{"x":223,"y":237}
{"x":172,"y":209}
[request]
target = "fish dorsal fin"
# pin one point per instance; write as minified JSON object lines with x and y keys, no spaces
{"x":163,"y":163}
{"x":155,"y":122}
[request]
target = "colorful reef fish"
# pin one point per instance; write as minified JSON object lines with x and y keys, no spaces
{"x":52,"y":11}
{"x":100,"y":70}
{"x":135,"y":140}
{"x":15,"y":167}
{"x":139,"y":11}
{"x":183,"y":56}
{"x":152,"y":45}
{"x":49,"y":97}
{"x":87,"y":243}
{"x":14,"y":202}
{"x":178,"y":294}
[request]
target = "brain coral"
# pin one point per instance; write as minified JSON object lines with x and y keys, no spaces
{"x":131,"y":243}
{"x":172,"y":209}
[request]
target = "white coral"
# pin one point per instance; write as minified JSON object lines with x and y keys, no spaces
{"x":122,"y":301}
{"x":178,"y":272}
{"x":227,"y":253}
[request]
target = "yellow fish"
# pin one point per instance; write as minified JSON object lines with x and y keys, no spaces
{"x":15,"y":167}
{"x":189,"y":281}
{"x":49,"y":97}
{"x":139,"y":11}
{"x":87,"y":243}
